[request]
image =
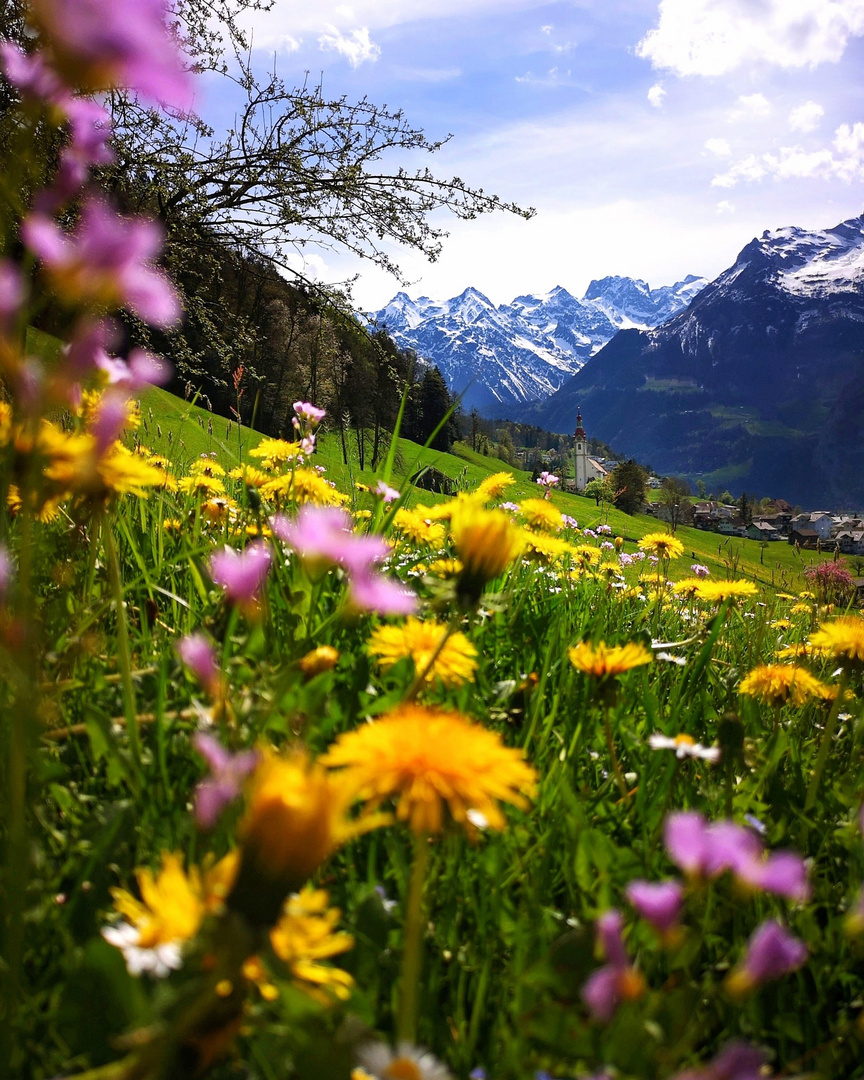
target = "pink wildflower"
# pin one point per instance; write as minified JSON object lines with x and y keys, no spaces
{"x":703,"y":849}
{"x":99,"y":44}
{"x":322,"y":536}
{"x":736,"y":1061}
{"x":241,"y":574}
{"x":6,"y":571}
{"x":658,"y":902}
{"x":616,"y":981}
{"x":227,"y":773}
{"x":11,"y":295}
{"x":197,"y":653}
{"x":385,"y":492}
{"x":372,"y":591}
{"x":105,"y":261}
{"x":772,"y":952}
{"x":308,"y":414}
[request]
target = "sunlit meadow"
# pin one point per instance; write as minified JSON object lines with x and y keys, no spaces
{"x":301,"y":781}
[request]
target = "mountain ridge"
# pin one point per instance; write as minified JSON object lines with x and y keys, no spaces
{"x":501,"y":357}
{"x":757,"y":384}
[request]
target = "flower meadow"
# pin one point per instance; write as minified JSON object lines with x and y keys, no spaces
{"x":320,"y":783}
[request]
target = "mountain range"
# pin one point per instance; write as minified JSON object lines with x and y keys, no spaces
{"x":758,"y":384}
{"x":501,"y":358}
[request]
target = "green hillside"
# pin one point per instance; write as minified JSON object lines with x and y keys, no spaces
{"x":182,"y":430}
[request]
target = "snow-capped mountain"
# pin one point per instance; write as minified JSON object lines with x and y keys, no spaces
{"x":758,"y":384}
{"x":501,"y":357}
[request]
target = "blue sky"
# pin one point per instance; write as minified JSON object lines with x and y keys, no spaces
{"x":654,"y":138}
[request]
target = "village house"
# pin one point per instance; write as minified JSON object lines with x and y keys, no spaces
{"x":804,"y":537}
{"x":762,"y":530}
{"x":851,"y":541}
{"x":820,"y":521}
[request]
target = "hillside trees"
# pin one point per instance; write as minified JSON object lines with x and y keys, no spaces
{"x":297,"y":167}
{"x":629,"y":483}
{"x":428,"y":407}
{"x":674,"y":497}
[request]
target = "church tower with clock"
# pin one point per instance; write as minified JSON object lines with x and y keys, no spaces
{"x":583,"y":471}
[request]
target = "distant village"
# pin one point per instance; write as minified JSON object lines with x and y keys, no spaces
{"x":818,"y":530}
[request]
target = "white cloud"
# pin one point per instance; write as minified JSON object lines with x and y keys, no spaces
{"x":806,"y":117}
{"x":547,"y":30}
{"x":718,"y":147}
{"x":312,"y":19}
{"x":725,"y":207}
{"x":712,"y":37}
{"x":357,"y":47}
{"x":656,"y":95}
{"x":287,"y":44}
{"x":751,"y":107}
{"x":843,"y":160}
{"x":749,"y":168}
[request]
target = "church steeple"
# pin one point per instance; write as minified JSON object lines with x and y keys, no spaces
{"x":580,"y":455}
{"x":579,"y":433}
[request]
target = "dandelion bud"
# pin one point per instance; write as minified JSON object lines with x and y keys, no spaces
{"x":296,"y":817}
{"x":487,"y":542}
{"x":319,"y":660}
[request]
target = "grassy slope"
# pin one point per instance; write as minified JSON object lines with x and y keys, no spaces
{"x":186,"y":432}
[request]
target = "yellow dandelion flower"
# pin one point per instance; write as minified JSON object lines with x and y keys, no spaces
{"x":303,"y":486}
{"x":75,"y":465}
{"x":541,"y":514}
{"x":202,"y":485}
{"x":454,"y":662}
{"x":172,"y":526}
{"x":444,"y":568}
{"x":43,"y":509}
{"x":418,"y":528}
{"x":122,"y":472}
{"x":775,"y":684}
{"x":781,"y":624}
{"x":492,"y":487}
{"x":663,"y":545}
{"x":486,"y":542}
{"x":609,"y":570}
{"x":218,"y":510}
{"x":426,"y":758}
{"x":586,"y":555}
{"x":687,"y":586}
{"x":276,"y":451}
{"x":206,"y":466}
{"x":842,"y":638}
{"x":717,"y":591}
{"x":319,"y":660}
{"x":362,"y":515}
{"x":604,"y":661}
{"x":546,"y":548}
{"x":796,"y":651}
{"x":655,"y":581}
{"x":171,"y":907}
{"x":806,"y":595}
{"x":297,"y":815}
{"x":250,"y":476}
{"x":801,"y":609}
{"x":444,"y":511}
{"x":5,"y":423}
{"x":304,"y":936}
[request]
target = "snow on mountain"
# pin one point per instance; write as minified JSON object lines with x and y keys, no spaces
{"x":758,"y":382}
{"x":501,"y":357}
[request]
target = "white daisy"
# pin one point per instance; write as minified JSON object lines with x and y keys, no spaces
{"x":406,"y":1062}
{"x":159,"y":960}
{"x":684,"y":747}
